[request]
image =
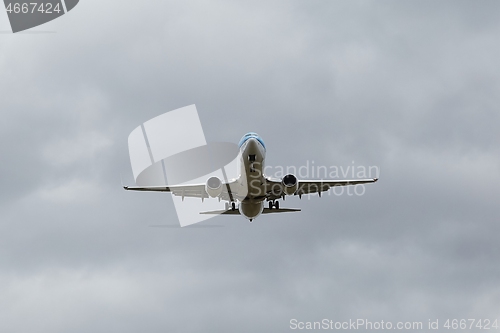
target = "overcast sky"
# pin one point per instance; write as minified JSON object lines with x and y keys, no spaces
{"x":412,"y":87}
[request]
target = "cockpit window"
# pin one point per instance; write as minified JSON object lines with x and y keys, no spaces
{"x":251,"y":135}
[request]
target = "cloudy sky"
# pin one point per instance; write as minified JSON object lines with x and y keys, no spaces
{"x":411,"y":87}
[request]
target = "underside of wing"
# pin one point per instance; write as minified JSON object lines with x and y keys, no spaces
{"x":147,"y":188}
{"x":316,"y":186}
{"x":276,"y":188}
{"x":193,"y":191}
{"x":187,"y":191}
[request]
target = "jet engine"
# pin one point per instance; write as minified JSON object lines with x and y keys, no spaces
{"x":290,"y":184}
{"x":213,"y":187}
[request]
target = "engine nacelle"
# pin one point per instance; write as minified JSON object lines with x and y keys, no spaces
{"x":290,"y":184}
{"x":213,"y":187}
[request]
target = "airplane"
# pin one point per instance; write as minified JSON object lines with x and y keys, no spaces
{"x":252,"y":187}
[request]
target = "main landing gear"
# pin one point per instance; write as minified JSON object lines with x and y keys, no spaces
{"x":232,"y":207}
{"x":275,"y":204}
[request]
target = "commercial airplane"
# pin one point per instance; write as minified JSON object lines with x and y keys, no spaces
{"x":252,"y":187}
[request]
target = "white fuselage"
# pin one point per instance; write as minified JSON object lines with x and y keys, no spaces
{"x":252,"y":156}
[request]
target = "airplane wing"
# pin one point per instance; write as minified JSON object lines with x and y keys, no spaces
{"x":188,"y":191}
{"x":313,"y":186}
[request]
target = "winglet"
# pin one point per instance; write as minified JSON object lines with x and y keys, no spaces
{"x":121,"y":180}
{"x":375,"y":179}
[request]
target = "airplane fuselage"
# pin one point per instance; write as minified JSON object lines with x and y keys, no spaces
{"x":252,"y":179}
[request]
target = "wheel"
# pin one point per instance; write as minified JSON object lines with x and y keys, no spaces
{"x":233,"y":206}
{"x":277,"y":205}
{"x":270,"y":205}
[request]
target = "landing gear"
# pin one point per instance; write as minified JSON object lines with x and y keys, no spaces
{"x":275,"y":204}
{"x":230,"y":207}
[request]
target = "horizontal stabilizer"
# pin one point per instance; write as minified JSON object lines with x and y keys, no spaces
{"x":226,"y":212}
{"x":280,"y":210}
{"x":266,"y":211}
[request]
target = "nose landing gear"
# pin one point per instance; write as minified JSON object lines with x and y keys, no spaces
{"x":251,"y":158}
